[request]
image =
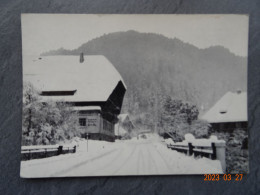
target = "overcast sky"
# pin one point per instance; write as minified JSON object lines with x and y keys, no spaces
{"x":44,"y":32}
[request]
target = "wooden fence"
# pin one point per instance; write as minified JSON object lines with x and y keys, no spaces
{"x":214,"y":151}
{"x":203,"y":151}
{"x":36,"y":152}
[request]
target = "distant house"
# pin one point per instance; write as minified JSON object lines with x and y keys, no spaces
{"x":124,"y":126}
{"x":90,"y":84}
{"x":229,"y":113}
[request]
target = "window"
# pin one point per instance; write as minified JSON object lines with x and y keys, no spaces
{"x":82,"y":122}
{"x":223,"y":111}
{"x":58,"y":93}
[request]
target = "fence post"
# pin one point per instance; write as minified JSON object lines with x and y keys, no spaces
{"x":29,"y":156}
{"x":214,"y":154}
{"x":221,"y":154}
{"x":74,"y":149}
{"x":60,"y":150}
{"x":190,"y":149}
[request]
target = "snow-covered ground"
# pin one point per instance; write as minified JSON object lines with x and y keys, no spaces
{"x":189,"y":138}
{"x":148,"y":156}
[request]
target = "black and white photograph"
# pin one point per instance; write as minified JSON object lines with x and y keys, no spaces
{"x":137,"y":94}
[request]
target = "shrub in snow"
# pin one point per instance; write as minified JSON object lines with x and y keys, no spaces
{"x":48,"y":122}
{"x":179,"y":118}
{"x":200,"y":128}
{"x":236,"y":155}
{"x":169,"y":141}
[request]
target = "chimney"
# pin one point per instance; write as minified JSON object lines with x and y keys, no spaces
{"x":81,"y":58}
{"x":239,"y":91}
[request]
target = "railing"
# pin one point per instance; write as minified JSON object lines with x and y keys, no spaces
{"x":36,"y":152}
{"x":213,"y":151}
{"x":203,"y":151}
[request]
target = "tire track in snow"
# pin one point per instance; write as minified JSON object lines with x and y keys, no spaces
{"x":143,"y":162}
{"x":146,"y":160}
{"x":152,"y":162}
{"x":106,"y":166}
{"x":64,"y":171}
{"x":125,"y":161}
{"x":139,"y":157}
{"x":163,"y":159}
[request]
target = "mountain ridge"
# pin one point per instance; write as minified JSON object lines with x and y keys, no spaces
{"x":52,"y":52}
{"x":152,"y":63}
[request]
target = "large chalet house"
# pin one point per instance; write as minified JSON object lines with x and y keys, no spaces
{"x":229,"y":113}
{"x":91,"y":84}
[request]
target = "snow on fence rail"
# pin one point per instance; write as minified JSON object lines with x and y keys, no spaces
{"x":204,"y":151}
{"x":36,"y":152}
{"x":210,"y":148}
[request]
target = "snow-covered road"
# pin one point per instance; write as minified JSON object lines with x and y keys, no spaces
{"x":130,"y":157}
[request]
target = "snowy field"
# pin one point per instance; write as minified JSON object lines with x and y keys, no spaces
{"x":148,"y":156}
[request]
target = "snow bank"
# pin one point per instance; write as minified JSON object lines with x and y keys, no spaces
{"x":183,"y":164}
{"x":39,"y":147}
{"x":169,"y":141}
{"x":189,"y":138}
{"x":93,"y":146}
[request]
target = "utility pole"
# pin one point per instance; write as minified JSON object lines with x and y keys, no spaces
{"x":87,"y":142}
{"x":156,"y":112}
{"x":118,"y":129}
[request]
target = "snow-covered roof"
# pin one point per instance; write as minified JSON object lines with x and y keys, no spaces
{"x":232,"y":107}
{"x":81,"y":108}
{"x":94,"y":79}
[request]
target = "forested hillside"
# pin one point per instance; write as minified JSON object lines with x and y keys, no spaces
{"x":154,"y":66}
